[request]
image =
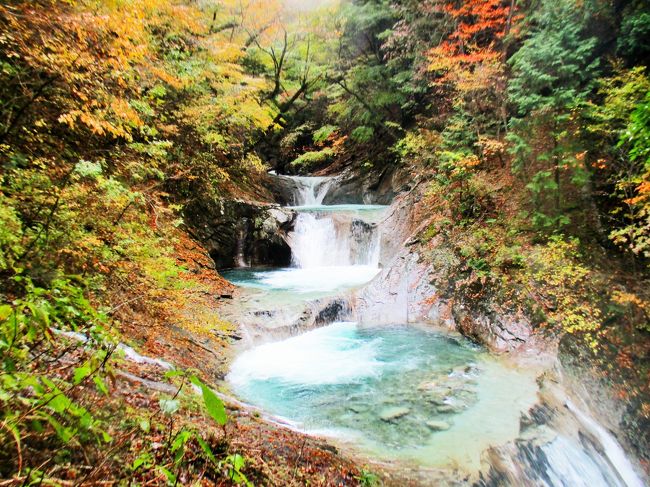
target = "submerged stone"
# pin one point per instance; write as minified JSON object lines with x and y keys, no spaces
{"x":446,"y":409}
{"x":438,"y":400}
{"x":438,"y":425}
{"x":390,"y":414}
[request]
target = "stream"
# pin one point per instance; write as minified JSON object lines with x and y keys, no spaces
{"x":404,"y":393}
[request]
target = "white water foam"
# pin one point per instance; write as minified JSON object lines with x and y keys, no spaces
{"x":570,"y":464}
{"x":326,"y":240}
{"x":611,"y":447}
{"x":316,"y":279}
{"x":326,"y":355}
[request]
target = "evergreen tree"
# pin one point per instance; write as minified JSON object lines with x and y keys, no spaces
{"x":551,"y":73}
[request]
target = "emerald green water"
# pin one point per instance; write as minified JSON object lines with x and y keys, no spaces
{"x":397,"y":392}
{"x":404,"y":393}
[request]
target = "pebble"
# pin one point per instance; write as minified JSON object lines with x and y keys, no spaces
{"x":446,"y":409}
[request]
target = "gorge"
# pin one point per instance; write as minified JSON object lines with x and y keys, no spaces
{"x":415,"y":395}
{"x":325,"y":243}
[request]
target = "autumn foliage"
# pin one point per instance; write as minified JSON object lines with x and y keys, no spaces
{"x":479,"y":29}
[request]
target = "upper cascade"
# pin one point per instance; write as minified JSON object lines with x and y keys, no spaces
{"x":330,"y":235}
{"x":310,"y":190}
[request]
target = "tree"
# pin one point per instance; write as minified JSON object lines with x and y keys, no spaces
{"x":479,"y":28}
{"x":468,"y":63}
{"x":551,"y":73}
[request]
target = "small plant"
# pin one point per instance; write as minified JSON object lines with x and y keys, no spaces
{"x":368,"y":479}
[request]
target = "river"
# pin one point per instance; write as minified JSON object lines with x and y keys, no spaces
{"x":403,"y":393}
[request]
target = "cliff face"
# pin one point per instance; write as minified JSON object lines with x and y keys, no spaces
{"x":414,"y":282}
{"x":239,"y":233}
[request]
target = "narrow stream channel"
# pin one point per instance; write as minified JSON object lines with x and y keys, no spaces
{"x":400,"y":393}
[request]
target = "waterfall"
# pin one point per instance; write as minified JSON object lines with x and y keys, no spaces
{"x":310,"y":191}
{"x":328,"y":240}
{"x":330,"y":236}
{"x":567,"y":462}
{"x":240,"y":258}
{"x":611,"y":448}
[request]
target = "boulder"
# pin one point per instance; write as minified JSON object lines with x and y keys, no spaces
{"x":446,"y":409}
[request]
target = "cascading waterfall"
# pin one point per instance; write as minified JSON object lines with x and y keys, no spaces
{"x":310,"y":191}
{"x":334,"y":247}
{"x":611,"y":448}
{"x":329,"y":240}
{"x":400,"y":392}
{"x":331,"y":236}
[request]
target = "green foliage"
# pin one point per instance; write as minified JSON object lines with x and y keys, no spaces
{"x":618,"y":134}
{"x":234,"y":465}
{"x":368,"y":479}
{"x":88,"y":169}
{"x":636,"y":234}
{"x":213,"y":404}
{"x":324,"y":133}
{"x":310,"y":160}
{"x":542,"y":184}
{"x":10,"y":236}
{"x":33,"y":399}
{"x":637,"y":134}
{"x":634,"y":39}
{"x":552,"y":73}
{"x":363,"y":134}
{"x":554,"y":67}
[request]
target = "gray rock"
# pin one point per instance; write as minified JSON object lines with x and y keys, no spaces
{"x":390,"y":414}
{"x":438,"y":425}
{"x":438,"y":400}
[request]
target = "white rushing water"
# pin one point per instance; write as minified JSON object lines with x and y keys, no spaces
{"x":311,"y":281}
{"x":334,"y":248}
{"x":333,"y":240}
{"x":612,"y":448}
{"x":568,"y":463}
{"x":337,"y":236}
{"x":310,"y":190}
{"x":322,"y":356}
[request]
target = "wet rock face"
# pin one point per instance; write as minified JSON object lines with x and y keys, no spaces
{"x":560,"y":444}
{"x":410,"y":287}
{"x":283,"y":189}
{"x":335,"y":310}
{"x":500,"y":332}
{"x":240,"y":234}
{"x":368,"y":187}
{"x":260,"y":319}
